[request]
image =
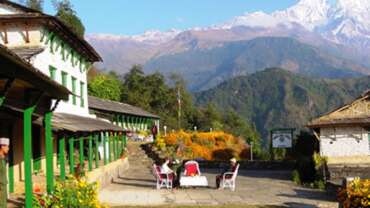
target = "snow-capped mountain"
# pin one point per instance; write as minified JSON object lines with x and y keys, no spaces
{"x":153,"y":37}
{"x":308,"y":13}
{"x":342,"y":28}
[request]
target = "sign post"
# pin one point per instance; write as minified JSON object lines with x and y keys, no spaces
{"x":281,"y":139}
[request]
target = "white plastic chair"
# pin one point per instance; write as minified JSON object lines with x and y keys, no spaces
{"x":229,"y":178}
{"x":163,"y":180}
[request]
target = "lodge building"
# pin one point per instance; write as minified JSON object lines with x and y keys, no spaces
{"x":344,"y":136}
{"x":43,"y":90}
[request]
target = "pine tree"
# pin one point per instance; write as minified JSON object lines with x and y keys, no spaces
{"x":35,"y":4}
{"x":66,"y":14}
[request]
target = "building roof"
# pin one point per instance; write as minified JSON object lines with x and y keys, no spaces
{"x":75,"y":123}
{"x":27,"y":52}
{"x":355,"y":113}
{"x":53,"y":23}
{"x":117,"y":107}
{"x":13,"y":66}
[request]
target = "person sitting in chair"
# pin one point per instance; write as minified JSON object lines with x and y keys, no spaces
{"x":165,"y":169}
{"x":231,"y":168}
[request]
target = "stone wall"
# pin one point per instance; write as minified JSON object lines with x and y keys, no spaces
{"x":104,"y":175}
{"x":338,"y":172}
{"x":246,"y":165}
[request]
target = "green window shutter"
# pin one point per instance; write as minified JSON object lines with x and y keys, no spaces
{"x":74,"y":101}
{"x":52,"y":71}
{"x":65,"y":82}
{"x":64,"y":79}
{"x":82,"y":94}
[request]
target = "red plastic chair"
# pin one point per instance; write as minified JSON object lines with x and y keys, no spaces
{"x":191,"y":168}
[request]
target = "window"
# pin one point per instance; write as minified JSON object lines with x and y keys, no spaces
{"x":64,"y":79}
{"x":52,"y":71}
{"x":74,"y":81}
{"x":82,"y":94}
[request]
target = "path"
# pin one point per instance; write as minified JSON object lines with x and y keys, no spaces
{"x":137,"y":187}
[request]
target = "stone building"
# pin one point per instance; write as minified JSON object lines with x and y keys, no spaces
{"x":344,"y":136}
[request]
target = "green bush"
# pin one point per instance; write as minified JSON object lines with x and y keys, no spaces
{"x":73,"y":192}
{"x":295,"y":177}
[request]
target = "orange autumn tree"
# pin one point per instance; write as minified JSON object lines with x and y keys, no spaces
{"x":216,"y":145}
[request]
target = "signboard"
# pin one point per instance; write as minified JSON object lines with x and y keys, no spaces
{"x":282,"y":138}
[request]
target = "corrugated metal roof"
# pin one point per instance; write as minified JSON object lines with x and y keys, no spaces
{"x":25,"y":71}
{"x":117,"y":107}
{"x":27,"y":52}
{"x":340,"y":116}
{"x":55,"y":24}
{"x":74,"y":123}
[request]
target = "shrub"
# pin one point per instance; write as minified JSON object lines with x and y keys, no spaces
{"x":73,"y":192}
{"x":356,"y":194}
{"x":295,"y":177}
{"x":216,"y":145}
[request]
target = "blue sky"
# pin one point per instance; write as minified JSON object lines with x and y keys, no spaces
{"x":136,"y":16}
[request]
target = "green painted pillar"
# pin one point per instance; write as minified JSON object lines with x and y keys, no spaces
{"x":81,"y":151}
{"x":11,"y":168}
{"x":71,"y":155}
{"x":96,"y":139}
{"x":117,"y":146}
{"x":142,"y":123}
{"x":90,"y":152}
{"x":122,"y":141}
{"x":139,"y":123}
{"x":119,"y":140}
{"x":113,"y":146}
{"x":121,"y":121}
{"x":125,"y":122}
{"x":104,"y":137}
{"x":49,"y":149}
{"x":131,"y":121}
{"x":109,"y":137}
{"x":27,"y":148}
{"x":62,"y":156}
{"x":136,"y":123}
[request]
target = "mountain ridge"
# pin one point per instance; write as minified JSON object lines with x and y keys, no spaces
{"x":276,"y":98}
{"x":205,"y":68}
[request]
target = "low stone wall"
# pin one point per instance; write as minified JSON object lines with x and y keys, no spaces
{"x":251,"y":165}
{"x":245,"y":165}
{"x":341,"y":171}
{"x":105,"y":174}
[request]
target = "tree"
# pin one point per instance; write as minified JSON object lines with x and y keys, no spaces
{"x":35,"y":4}
{"x":69,"y":17}
{"x":234,"y":124}
{"x":210,"y":117}
{"x":106,"y":86}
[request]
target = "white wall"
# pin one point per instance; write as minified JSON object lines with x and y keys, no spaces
{"x":344,"y":141}
{"x":46,"y":59}
{"x":42,"y":61}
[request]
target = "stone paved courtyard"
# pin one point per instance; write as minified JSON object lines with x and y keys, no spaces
{"x":137,"y":187}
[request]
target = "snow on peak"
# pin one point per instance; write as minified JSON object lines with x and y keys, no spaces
{"x":349,"y":19}
{"x":255,"y":19}
{"x":308,"y":13}
{"x":156,"y":36}
{"x":150,"y":37}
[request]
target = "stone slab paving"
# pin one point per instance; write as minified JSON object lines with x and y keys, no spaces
{"x":137,"y":187}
